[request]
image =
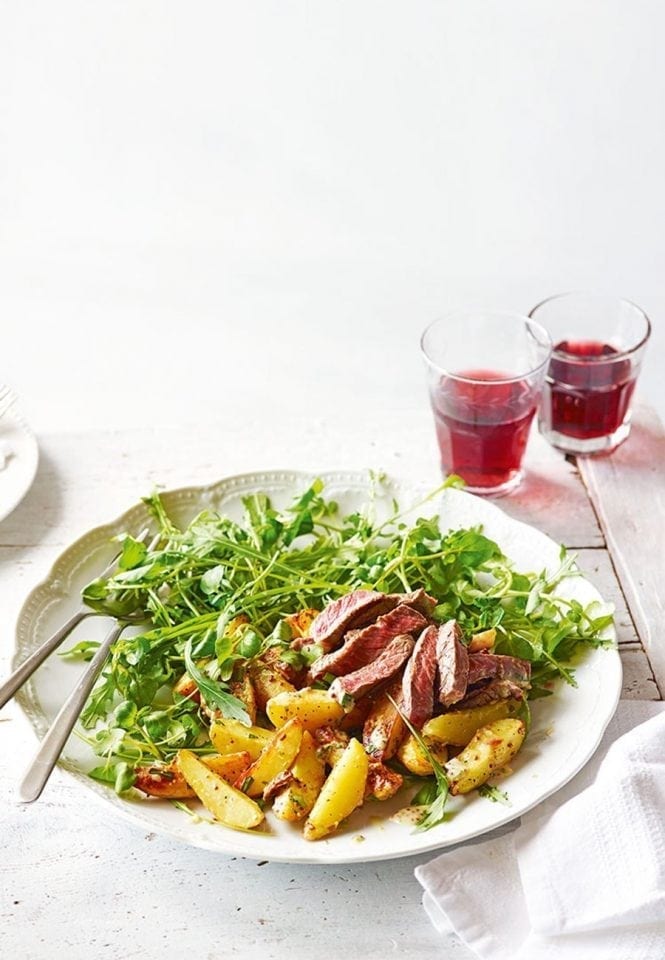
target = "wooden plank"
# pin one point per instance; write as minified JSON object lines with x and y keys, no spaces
{"x":552,"y":498}
{"x":596,"y":565}
{"x":639,"y":682}
{"x":627,"y":490}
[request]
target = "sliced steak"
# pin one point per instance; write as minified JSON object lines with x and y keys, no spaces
{"x":419,"y":677}
{"x":354,"y":685}
{"x":486,"y":666}
{"x":491,"y":691}
{"x":453,"y":661}
{"x":420,"y":601}
{"x":363,"y":646}
{"x":352,"y":610}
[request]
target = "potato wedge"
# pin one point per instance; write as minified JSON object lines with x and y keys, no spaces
{"x":482,"y":641}
{"x":341,"y":793}
{"x":355,"y":718}
{"x":231,"y":736}
{"x":492,"y":747}
{"x":458,"y":726}
{"x":296,"y":800}
{"x":185,"y":687}
{"x":314,"y":708}
{"x":268,"y":682}
{"x":331,"y":743}
{"x":301,"y":622}
{"x":243,"y":689}
{"x":228,"y":805}
{"x":384,"y":729}
{"x":411,"y":754}
{"x":276,"y":757}
{"x":382,"y":782}
{"x":166,"y":780}
{"x":230,"y":766}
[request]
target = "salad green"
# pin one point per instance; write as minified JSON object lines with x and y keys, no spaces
{"x":215,"y":596}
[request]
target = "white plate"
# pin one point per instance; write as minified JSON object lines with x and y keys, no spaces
{"x":19,"y":471}
{"x":566,"y":727}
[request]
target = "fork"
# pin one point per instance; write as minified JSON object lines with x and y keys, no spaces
{"x":37,"y":657}
{"x":52,"y":745}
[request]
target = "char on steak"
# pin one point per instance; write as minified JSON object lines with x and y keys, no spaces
{"x":490,"y":666}
{"x":419,"y":600}
{"x":490,"y":692}
{"x":388,"y":662}
{"x":363,"y":646}
{"x":419,"y":677}
{"x":453,"y":662}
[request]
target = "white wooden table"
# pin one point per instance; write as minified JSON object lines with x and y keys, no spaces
{"x":77,"y":883}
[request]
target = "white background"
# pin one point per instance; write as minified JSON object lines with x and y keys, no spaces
{"x":212,"y":207}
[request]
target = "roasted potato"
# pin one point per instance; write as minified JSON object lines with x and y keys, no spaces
{"x":491,"y":748}
{"x":296,"y":800}
{"x":186,"y":687}
{"x":230,"y":736}
{"x":332,"y":742}
{"x":382,"y":782}
{"x":268,"y":683}
{"x":276,"y":757}
{"x":314,"y":708}
{"x":341,"y":793}
{"x":167,"y":781}
{"x":384,"y":728}
{"x":411,"y":754}
{"x":301,"y":622}
{"x":228,"y":805}
{"x":458,"y":726}
{"x":482,"y":641}
{"x":355,"y":718}
{"x":243,"y":689}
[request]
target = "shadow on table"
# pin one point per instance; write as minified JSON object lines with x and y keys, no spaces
{"x":40,"y":512}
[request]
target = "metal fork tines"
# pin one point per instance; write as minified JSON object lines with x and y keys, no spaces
{"x":53,"y":743}
{"x":37,"y":657}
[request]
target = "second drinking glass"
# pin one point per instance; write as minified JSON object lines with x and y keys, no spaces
{"x":486,"y":373}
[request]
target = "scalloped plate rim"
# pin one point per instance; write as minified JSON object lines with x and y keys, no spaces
{"x":137,"y":812}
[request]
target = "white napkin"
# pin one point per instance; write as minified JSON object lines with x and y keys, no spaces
{"x":583,"y":877}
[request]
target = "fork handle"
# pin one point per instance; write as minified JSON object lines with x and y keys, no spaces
{"x":37,"y":657}
{"x":51,"y":746}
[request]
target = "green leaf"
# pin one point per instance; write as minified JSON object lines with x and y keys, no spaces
{"x":120,"y":775}
{"x":211,"y":580}
{"x":133,"y":553}
{"x":85,"y":650}
{"x":493,"y":794}
{"x":125,"y":714}
{"x":213,"y":693}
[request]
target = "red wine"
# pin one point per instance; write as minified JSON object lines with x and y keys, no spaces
{"x":482,"y":425}
{"x":588,"y":389}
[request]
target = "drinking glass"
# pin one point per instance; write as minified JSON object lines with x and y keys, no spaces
{"x":485,"y":373}
{"x":599,"y":343}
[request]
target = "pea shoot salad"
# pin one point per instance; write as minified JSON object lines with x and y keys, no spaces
{"x":220,"y":595}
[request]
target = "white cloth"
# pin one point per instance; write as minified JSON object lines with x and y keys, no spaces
{"x":583,"y":877}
